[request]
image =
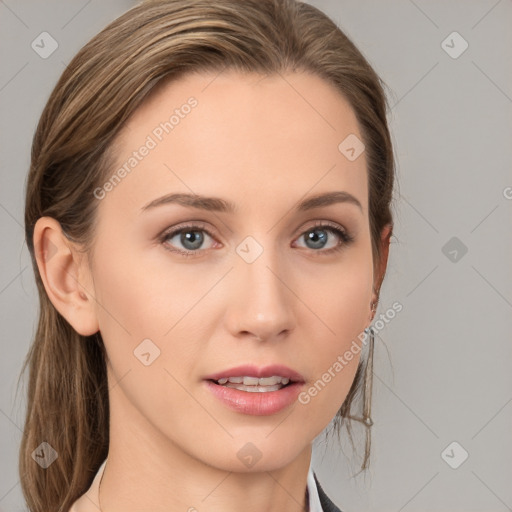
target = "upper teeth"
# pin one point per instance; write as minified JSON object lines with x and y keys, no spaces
{"x":255,"y":381}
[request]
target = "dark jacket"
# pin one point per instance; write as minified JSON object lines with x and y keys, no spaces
{"x":327,"y":504}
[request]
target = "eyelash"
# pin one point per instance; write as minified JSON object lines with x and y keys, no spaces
{"x":346,"y":238}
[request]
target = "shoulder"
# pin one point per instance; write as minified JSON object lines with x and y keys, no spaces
{"x":327,"y":504}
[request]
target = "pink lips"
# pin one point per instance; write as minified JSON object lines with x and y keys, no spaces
{"x":256,"y":403}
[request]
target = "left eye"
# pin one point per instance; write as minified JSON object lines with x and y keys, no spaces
{"x":317,"y":237}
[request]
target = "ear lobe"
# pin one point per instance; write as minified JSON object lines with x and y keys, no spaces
{"x":62,"y":269}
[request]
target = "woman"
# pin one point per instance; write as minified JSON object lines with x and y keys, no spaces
{"x":208,"y":211}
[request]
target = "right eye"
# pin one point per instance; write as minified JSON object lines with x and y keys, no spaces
{"x":190,"y":236}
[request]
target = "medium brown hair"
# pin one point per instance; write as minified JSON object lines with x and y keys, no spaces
{"x":72,"y":155}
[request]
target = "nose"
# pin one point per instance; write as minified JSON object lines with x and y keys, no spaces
{"x":261,"y":302}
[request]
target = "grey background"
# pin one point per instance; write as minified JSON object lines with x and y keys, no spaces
{"x":442,"y":366}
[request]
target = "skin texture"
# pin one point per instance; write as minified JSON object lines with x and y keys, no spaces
{"x":263,"y":143}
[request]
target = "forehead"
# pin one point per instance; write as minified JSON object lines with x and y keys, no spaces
{"x":235,"y":135}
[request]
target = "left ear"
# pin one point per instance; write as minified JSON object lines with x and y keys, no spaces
{"x":381,"y":266}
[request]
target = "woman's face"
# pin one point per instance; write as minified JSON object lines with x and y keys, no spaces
{"x":269,"y":283}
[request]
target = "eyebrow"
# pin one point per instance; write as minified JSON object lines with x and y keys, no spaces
{"x":216,"y":204}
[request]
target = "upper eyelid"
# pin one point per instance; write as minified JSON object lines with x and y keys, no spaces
{"x":203,"y":226}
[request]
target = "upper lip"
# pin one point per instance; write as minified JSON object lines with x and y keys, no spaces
{"x":250,"y":370}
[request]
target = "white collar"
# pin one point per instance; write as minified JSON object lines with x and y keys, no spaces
{"x":314,"y":498}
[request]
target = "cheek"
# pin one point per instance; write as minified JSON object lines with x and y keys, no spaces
{"x":335,"y":369}
{"x":342,"y":303}
{"x":138,"y":301}
{"x":148,"y":323}
{"x":339,"y":297}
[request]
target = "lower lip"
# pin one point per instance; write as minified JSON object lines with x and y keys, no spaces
{"x":256,"y":403}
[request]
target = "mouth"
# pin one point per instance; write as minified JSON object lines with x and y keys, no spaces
{"x":251,"y":390}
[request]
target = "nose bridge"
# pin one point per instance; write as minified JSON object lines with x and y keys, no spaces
{"x":262,"y":304}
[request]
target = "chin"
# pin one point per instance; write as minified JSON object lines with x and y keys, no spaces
{"x":254,"y":454}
